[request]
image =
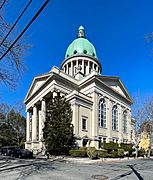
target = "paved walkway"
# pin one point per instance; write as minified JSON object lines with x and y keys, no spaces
{"x":86,"y":160}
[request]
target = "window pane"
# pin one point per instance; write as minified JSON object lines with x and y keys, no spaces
{"x":84,"y":124}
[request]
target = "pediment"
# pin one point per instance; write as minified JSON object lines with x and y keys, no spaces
{"x":116,"y":84}
{"x":37,"y":82}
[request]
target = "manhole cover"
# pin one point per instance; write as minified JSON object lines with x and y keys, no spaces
{"x":100,"y":177}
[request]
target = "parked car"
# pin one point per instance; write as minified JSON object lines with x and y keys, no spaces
{"x":22,"y":153}
{"x":16,"y":152}
{"x":7,"y":150}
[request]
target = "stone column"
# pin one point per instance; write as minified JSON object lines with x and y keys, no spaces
{"x":67,"y":68}
{"x":83,"y":66}
{"x":42,"y":118}
{"x":96,"y":68}
{"x":28,"y":127}
{"x":71,"y":68}
{"x":87,"y":68}
{"x":34,"y":124}
{"x":92,"y":66}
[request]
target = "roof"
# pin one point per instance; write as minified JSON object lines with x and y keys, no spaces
{"x":81,"y":46}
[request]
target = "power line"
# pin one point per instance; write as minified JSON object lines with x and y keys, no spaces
{"x":24,"y":30}
{"x":2,"y":4}
{"x":16,"y":22}
{"x":16,"y":14}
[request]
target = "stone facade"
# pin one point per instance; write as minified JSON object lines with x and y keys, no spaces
{"x":100,"y":104}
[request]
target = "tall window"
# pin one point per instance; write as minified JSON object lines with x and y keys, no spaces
{"x":124,"y":121}
{"x":102,"y":113}
{"x":114,"y":118}
{"x":84,"y":123}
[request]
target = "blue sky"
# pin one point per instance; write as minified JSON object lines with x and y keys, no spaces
{"x":116,"y":28}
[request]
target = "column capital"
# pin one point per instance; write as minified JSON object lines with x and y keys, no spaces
{"x":27,"y":110}
{"x":42,"y":99}
{"x":34,"y":106}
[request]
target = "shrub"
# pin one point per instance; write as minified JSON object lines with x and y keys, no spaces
{"x":103,"y":153}
{"x":92,"y":153}
{"x":78,"y":153}
{"x":127,"y":147}
{"x":114,"y":154}
{"x":110,"y":146}
{"x":141,"y":152}
{"x":83,"y":148}
{"x":120,"y":153}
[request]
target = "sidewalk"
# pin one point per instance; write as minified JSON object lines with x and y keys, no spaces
{"x":84,"y":160}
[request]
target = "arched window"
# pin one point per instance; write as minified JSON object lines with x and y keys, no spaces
{"x":102,"y":113}
{"x":114,"y":118}
{"x":124,"y":121}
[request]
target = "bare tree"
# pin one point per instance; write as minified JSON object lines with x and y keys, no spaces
{"x":11,"y":66}
{"x":143,"y":113}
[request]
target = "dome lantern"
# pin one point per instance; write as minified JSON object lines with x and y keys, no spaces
{"x":81,"y":32}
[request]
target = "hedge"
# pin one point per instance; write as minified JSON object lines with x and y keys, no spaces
{"x":102,"y":153}
{"x":120,"y":153}
{"x":141,"y":152}
{"x":111,"y":146}
{"x":78,"y":153}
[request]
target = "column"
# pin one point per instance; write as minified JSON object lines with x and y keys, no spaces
{"x":96,"y":68}
{"x":42,"y":119}
{"x":34,"y":124}
{"x":28,"y":127}
{"x":87,"y":68}
{"x":83,"y":66}
{"x":66,"y":68}
{"x":77,"y":64}
{"x":71,"y":68}
{"x":92,"y":66}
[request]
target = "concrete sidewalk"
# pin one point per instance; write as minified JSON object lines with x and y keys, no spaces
{"x":85,"y":160}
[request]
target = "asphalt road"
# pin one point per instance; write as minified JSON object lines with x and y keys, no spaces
{"x":59,"y":169}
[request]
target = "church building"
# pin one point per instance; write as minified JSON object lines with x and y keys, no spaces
{"x":101,"y":105}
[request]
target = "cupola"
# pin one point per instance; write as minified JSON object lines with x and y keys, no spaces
{"x":81,"y":54}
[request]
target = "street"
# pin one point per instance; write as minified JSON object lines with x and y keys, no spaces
{"x":57,"y":169}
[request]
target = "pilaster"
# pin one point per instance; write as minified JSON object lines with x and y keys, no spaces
{"x":94,"y":123}
{"x":109,"y":120}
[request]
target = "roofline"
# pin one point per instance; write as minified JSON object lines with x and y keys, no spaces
{"x":52,"y":75}
{"x":34,"y":79}
{"x":118,"y":79}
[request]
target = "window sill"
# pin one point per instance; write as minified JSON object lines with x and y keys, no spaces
{"x":115,"y":130}
{"x":102,"y":127}
{"x":85,"y":130}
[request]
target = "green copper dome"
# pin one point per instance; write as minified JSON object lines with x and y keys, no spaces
{"x":81,"y":46}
